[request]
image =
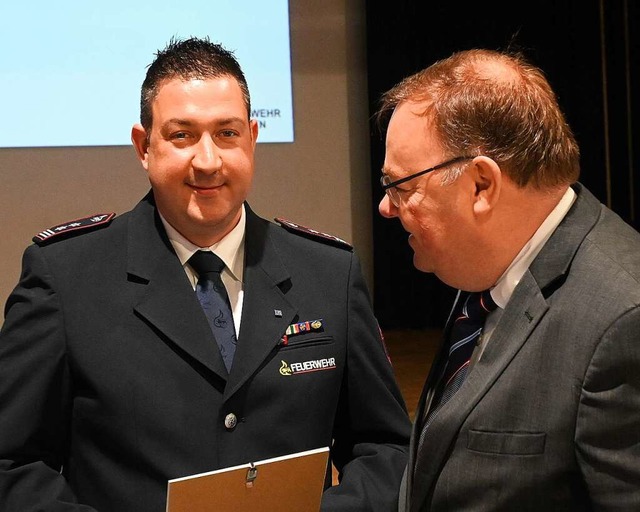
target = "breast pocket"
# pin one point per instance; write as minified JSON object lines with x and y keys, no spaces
{"x":306,"y":340}
{"x":506,"y":443}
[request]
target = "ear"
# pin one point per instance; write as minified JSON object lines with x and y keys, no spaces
{"x":253,"y":126}
{"x":141,"y":144}
{"x":487,"y":178}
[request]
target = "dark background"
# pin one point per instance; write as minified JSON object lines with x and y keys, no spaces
{"x":590,"y":52}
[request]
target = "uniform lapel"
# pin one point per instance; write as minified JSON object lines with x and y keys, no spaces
{"x":525,"y":309}
{"x":266,"y":312}
{"x":167,"y":300}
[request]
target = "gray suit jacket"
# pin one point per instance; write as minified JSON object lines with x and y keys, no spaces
{"x":549,"y":418}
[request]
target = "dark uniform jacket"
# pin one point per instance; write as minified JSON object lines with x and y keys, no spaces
{"x":111,"y":382}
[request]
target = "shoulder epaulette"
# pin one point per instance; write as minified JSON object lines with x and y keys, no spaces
{"x":73,"y":228}
{"x":313,"y":234}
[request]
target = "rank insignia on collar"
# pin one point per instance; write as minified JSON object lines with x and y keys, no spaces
{"x":72,"y":228}
{"x":292,"y":227}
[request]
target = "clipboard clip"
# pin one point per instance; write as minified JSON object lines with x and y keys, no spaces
{"x":252,"y":474}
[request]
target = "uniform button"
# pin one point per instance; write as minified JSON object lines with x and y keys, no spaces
{"x":230,"y":421}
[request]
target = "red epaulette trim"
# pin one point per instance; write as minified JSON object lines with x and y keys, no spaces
{"x":313,"y":234}
{"x":72,"y":228}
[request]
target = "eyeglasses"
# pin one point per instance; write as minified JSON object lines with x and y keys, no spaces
{"x":390,"y":186}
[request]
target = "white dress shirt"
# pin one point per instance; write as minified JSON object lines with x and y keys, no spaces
{"x":506,"y":284}
{"x":230,"y":250}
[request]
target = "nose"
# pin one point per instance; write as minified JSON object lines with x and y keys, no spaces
{"x":387,"y":208}
{"x":207,"y":157}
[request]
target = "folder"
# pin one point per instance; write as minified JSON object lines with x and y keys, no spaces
{"x":290,"y":483}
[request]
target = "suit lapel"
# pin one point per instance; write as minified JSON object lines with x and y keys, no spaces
{"x":424,"y":402}
{"x":167,"y":302}
{"x":439,"y":362}
{"x":526,"y":307}
{"x":266,"y":312}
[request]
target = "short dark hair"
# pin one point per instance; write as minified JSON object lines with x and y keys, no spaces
{"x":193,"y":58}
{"x":497,"y":104}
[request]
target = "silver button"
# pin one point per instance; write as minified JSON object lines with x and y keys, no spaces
{"x":230,"y":420}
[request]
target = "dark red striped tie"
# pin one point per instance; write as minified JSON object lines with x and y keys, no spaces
{"x":463,"y":338}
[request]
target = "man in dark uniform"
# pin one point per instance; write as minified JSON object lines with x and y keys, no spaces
{"x":112,"y":381}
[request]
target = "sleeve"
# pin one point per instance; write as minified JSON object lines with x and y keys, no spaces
{"x":372,"y":427}
{"x":608,"y":423}
{"x":34,"y":395}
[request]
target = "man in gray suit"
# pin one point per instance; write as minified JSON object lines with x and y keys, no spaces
{"x":481,"y":168}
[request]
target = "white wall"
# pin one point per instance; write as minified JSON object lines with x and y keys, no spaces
{"x":322,"y":180}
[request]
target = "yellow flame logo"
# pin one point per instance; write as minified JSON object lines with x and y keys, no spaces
{"x":284,"y":369}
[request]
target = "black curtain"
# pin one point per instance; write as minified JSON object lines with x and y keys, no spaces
{"x":590,"y":52}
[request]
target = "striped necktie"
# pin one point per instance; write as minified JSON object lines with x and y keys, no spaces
{"x":465,"y":332}
{"x":215,"y":302}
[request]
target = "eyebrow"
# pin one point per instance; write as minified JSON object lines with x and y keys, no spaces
{"x":231,"y":120}
{"x":223,"y":122}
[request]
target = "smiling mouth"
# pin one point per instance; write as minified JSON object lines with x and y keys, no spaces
{"x":206,"y":190}
{"x":205,"y":187}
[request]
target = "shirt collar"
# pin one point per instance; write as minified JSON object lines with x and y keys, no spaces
{"x":507,"y":283}
{"x":230,"y":249}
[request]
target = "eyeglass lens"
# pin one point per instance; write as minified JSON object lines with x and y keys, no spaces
{"x":392,"y":192}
